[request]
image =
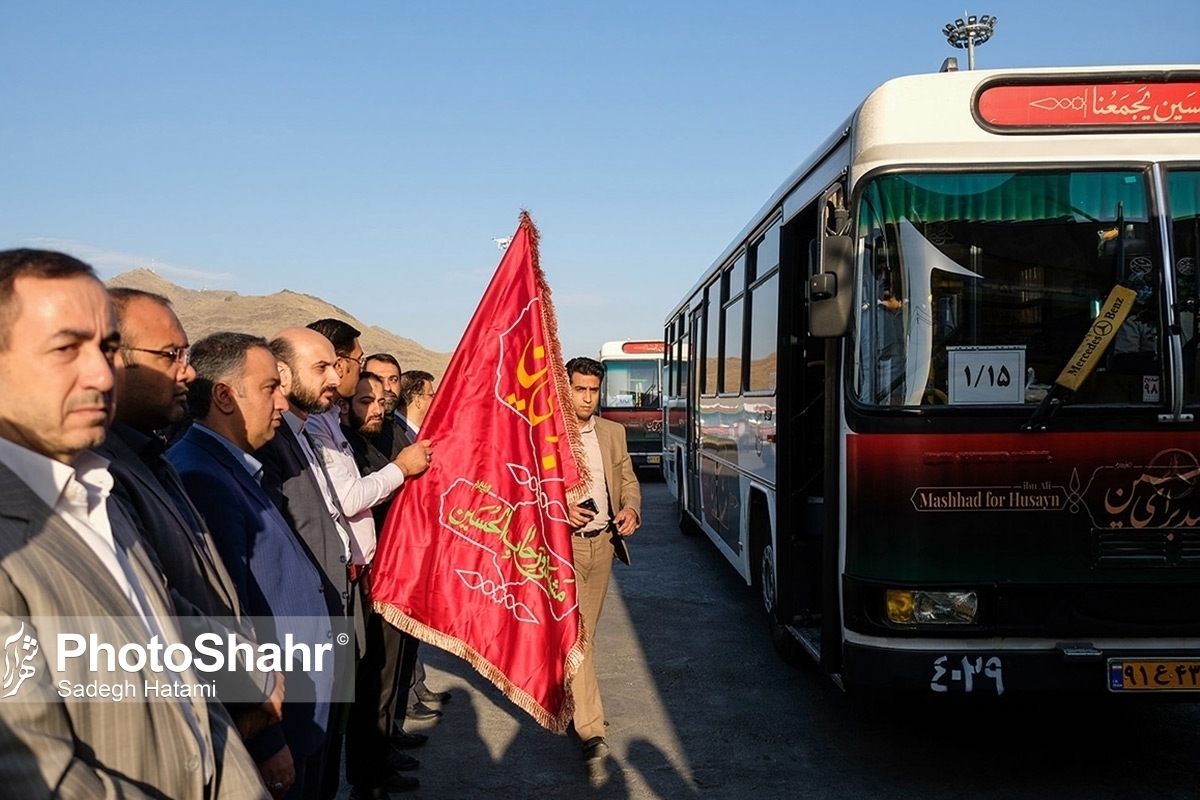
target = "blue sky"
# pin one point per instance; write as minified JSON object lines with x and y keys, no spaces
{"x":369,"y":152}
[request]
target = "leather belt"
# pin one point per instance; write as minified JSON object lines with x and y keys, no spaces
{"x":588,"y":534}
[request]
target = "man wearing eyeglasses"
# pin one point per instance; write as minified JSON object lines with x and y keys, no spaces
{"x":416,"y":396}
{"x":153,"y":372}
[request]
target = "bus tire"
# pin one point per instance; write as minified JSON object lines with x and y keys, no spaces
{"x":789,"y":649}
{"x":687,"y":525}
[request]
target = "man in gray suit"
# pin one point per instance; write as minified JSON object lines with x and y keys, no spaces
{"x":67,"y":552}
{"x":153,"y":372}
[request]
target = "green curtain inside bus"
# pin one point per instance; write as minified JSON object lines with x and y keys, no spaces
{"x":1009,"y":197}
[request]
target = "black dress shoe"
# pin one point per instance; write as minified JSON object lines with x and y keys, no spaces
{"x":595,"y":749}
{"x":396,"y":783}
{"x":363,"y":793}
{"x":401,"y":783}
{"x":419,"y":710}
{"x":427,"y":696}
{"x":401,"y":761}
{"x":405,"y":740}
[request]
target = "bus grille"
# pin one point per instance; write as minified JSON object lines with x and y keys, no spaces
{"x":1129,"y":547}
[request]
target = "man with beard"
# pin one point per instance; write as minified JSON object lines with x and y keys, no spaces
{"x":388,"y":440}
{"x":357,"y":493}
{"x":313,"y":416}
{"x":385,"y":669}
{"x":388,"y":369}
{"x":153,"y":372}
{"x":295,"y":479}
{"x":374,"y":444}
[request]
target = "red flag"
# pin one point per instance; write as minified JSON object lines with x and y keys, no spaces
{"x":475,"y":556}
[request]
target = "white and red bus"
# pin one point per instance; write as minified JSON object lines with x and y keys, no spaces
{"x":937,"y":399}
{"x":632,"y":395}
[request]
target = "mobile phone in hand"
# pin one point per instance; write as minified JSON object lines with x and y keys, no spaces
{"x":590,"y":505}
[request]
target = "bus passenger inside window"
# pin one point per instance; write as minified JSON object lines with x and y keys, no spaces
{"x":889,"y":333}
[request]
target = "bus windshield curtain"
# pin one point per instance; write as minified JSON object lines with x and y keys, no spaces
{"x":1184,"y":191}
{"x":1010,"y":197}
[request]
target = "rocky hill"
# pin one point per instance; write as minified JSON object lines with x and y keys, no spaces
{"x":207,"y":311}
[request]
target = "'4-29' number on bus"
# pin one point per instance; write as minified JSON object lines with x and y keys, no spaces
{"x":966,"y":673}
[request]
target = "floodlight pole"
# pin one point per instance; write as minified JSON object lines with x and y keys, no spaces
{"x":973,"y":31}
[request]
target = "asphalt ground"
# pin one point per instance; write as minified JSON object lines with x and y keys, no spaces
{"x":700,"y":706}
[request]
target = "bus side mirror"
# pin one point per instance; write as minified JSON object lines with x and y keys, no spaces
{"x":831,"y":290}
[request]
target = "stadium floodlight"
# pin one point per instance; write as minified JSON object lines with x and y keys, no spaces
{"x":974,"y":31}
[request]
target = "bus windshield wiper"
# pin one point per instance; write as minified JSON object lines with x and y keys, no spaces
{"x":1085,"y":358}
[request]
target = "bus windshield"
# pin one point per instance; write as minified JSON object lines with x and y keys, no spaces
{"x":977,"y":288}
{"x":631,"y":384}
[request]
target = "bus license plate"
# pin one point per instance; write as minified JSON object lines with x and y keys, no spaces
{"x":1154,"y":675}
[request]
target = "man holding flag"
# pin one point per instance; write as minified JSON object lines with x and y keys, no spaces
{"x":476,"y":556}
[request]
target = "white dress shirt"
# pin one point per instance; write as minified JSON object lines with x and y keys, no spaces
{"x":357,"y":493}
{"x":599,"y":489}
{"x":79,"y":496}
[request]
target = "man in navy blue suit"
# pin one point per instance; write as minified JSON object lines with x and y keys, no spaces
{"x":238,"y":405}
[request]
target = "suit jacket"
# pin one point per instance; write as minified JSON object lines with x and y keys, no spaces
{"x":201,"y":589}
{"x":624,"y":491}
{"x":406,"y":434}
{"x":271,"y":570}
{"x":80,"y":748}
{"x":293,"y":488}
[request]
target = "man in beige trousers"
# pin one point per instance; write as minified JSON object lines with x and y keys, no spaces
{"x":615,"y":502}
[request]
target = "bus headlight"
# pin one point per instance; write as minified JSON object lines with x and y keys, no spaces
{"x":920,"y":607}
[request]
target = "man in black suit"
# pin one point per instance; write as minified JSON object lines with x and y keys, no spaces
{"x":152,"y":378}
{"x":415,"y":396}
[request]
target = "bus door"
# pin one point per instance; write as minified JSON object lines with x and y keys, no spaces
{"x":803,"y":468}
{"x":692,"y":467}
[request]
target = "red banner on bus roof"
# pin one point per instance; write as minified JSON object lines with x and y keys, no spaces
{"x":642,"y":347}
{"x":1091,"y":104}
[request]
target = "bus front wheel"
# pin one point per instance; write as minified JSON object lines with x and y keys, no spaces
{"x":786,"y":645}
